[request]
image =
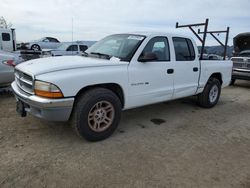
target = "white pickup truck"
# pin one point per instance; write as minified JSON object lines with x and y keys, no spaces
{"x":120,"y":72}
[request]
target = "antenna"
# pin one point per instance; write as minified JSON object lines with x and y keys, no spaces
{"x":72,"y":33}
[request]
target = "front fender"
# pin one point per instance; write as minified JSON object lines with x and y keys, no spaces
{"x":71,"y":81}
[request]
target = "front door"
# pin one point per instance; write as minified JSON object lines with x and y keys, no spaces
{"x":151,"y":81}
{"x":72,"y":50}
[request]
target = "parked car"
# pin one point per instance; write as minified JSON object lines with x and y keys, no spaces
{"x":120,"y":72}
{"x":7,"y":63}
{"x":211,"y":57}
{"x":241,"y":60}
{"x":44,"y":43}
{"x":214,"y":57}
{"x":67,"y":48}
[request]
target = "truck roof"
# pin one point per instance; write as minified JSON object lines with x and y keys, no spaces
{"x":155,"y":33}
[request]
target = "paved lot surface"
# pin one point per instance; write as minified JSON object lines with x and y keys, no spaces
{"x":173,"y":144}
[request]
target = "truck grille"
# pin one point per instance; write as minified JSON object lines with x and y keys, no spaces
{"x":24,"y":81}
{"x":241,"y":63}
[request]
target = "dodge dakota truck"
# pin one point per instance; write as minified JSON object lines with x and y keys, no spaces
{"x":119,"y":72}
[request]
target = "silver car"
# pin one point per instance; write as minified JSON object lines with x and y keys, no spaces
{"x":44,"y":43}
{"x":67,"y":48}
{"x":7,"y":63}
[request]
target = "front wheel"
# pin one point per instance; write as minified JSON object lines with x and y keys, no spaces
{"x":211,"y":93}
{"x":35,"y":48}
{"x":96,"y":114}
{"x":232,"y":82}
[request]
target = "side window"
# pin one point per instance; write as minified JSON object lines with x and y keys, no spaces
{"x":184,"y":49}
{"x":72,"y":48}
{"x":83,"y":48}
{"x":53,"y":40}
{"x":5,"y":36}
{"x":159,"y":46}
{"x":191,"y":49}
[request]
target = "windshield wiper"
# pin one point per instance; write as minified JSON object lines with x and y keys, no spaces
{"x":101,"y":54}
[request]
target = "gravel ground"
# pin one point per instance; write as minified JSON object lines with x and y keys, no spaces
{"x":172,"y":144}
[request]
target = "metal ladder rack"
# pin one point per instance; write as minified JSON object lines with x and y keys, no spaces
{"x":205,"y":32}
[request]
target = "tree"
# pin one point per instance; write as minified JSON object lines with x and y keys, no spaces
{"x":4,"y":24}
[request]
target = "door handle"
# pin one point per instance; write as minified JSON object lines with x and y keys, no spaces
{"x":195,"y":69}
{"x":170,"y":71}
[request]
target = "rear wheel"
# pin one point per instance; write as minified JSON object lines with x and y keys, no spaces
{"x":96,"y":114}
{"x":211,"y":94}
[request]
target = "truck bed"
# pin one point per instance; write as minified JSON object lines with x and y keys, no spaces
{"x":209,"y":67}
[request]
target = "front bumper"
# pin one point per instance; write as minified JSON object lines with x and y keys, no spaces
{"x":49,"y":109}
{"x":242,"y":74}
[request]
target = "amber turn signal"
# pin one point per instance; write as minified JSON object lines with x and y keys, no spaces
{"x":48,"y":94}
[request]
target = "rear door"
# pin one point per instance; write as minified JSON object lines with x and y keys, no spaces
{"x":151,"y":81}
{"x":186,"y":72}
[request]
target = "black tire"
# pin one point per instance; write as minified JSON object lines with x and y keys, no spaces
{"x":83,"y":107}
{"x":232,"y":82}
{"x":204,"y":99}
{"x":35,"y":47}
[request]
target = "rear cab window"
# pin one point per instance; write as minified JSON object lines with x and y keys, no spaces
{"x":184,"y":49}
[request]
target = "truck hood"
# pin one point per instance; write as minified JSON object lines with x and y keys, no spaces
{"x":51,"y":64}
{"x":242,"y":42}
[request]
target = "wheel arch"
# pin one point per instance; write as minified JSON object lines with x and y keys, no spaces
{"x":218,"y":76}
{"x":114,"y":87}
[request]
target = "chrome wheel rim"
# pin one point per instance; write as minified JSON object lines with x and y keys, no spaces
{"x":101,"y":116}
{"x":213,"y":94}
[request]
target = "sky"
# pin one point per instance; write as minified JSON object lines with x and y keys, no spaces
{"x":95,"y":19}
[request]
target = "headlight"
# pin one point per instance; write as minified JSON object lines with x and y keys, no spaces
{"x":48,"y":90}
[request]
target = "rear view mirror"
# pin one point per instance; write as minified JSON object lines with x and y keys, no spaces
{"x":147,"y":57}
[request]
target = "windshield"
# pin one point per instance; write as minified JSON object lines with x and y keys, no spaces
{"x":63,"y":47}
{"x":122,"y":46}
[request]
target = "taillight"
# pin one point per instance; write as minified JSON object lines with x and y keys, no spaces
{"x":10,"y":63}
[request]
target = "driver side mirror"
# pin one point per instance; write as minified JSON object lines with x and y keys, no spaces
{"x":149,"y":56}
